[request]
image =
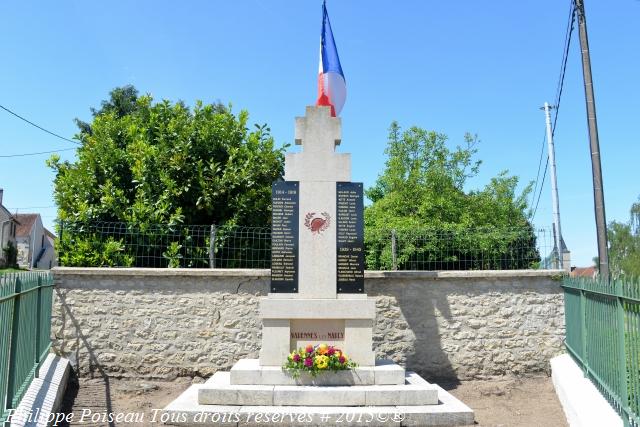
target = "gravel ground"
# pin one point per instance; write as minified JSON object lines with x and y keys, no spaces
{"x":513,"y":402}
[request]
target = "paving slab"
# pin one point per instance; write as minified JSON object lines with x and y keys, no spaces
{"x":447,"y":410}
{"x":185,"y":411}
{"x":218,"y":390}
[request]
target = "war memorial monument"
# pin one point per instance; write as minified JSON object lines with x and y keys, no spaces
{"x":317,"y":296}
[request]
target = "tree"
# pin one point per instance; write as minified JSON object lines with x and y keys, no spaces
{"x":421,"y":195}
{"x":624,"y":245}
{"x":145,"y":163}
{"x":122,"y":101}
{"x":10,"y":255}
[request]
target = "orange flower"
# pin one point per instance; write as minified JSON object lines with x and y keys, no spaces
{"x":323,"y":349}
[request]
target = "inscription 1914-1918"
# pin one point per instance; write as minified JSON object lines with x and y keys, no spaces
{"x":350,"y":237}
{"x":285,"y":196}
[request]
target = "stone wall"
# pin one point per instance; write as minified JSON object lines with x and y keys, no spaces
{"x":162,"y":323}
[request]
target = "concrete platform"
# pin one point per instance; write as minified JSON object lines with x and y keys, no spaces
{"x":44,"y":395}
{"x":385,"y":372}
{"x":583,"y":404}
{"x":218,"y":390}
{"x":186,"y":411}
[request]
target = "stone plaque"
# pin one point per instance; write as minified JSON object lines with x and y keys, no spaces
{"x":284,"y":236}
{"x":350,"y":237}
{"x":314,"y":332}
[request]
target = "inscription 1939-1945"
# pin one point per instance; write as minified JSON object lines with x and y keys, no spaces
{"x":285,"y":196}
{"x":350,"y":237}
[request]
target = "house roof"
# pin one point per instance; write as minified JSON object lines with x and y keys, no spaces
{"x":583,"y":272}
{"x":49,"y":234}
{"x":25,"y":225}
{"x":6,"y":212}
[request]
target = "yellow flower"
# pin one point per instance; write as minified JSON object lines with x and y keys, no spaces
{"x":322,"y":362}
{"x":322,"y":349}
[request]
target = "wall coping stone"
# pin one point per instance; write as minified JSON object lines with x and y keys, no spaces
{"x":265,"y":272}
{"x":460,"y":274}
{"x":161,"y":272}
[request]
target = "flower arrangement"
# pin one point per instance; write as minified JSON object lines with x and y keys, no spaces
{"x":316,"y":360}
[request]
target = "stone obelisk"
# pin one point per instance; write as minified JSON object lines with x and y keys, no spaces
{"x":317,"y":289}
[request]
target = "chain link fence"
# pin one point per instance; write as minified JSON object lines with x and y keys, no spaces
{"x":466,"y":249}
{"x":117,"y":244}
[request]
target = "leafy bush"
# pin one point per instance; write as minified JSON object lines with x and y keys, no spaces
{"x":145,"y":163}
{"x":10,"y":255}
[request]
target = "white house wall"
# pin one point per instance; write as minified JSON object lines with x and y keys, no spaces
{"x":37,"y":232}
{"x":48,"y":260}
{"x":22,"y":244}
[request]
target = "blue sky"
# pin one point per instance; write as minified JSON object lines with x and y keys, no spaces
{"x":482,"y":67}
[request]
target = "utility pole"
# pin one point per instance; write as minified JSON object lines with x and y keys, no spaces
{"x":554,"y":187}
{"x":598,"y":192}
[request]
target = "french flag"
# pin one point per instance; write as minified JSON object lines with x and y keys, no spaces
{"x":332,"y":87}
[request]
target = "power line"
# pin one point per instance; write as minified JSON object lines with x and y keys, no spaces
{"x":39,"y":127}
{"x":37,"y":153}
{"x":560,"y":86}
{"x":563,"y":67}
{"x":33,"y":207}
{"x":546,"y":166}
{"x":535,"y":188}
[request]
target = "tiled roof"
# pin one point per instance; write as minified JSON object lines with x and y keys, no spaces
{"x":583,"y":272}
{"x":26,"y":224}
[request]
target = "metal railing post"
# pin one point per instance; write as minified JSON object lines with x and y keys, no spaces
{"x":36,"y":356}
{"x":622,"y":355}
{"x":394,"y":255}
{"x":583,"y":331}
{"x":7,"y":319}
{"x":60,"y":239}
{"x":13,"y":346}
{"x":212,"y":247}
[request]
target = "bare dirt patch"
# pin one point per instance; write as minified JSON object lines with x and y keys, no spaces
{"x":512,"y":402}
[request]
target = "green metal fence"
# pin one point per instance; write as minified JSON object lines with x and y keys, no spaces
{"x":603,"y":336}
{"x":25,"y":326}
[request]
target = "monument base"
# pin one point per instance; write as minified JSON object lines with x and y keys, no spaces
{"x":220,"y":391}
{"x":385,"y":372}
{"x":415,"y":403}
{"x":349,"y":319}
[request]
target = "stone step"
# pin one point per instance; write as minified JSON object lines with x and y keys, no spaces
{"x":218,"y":390}
{"x":186,"y":411}
{"x":385,"y":372}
